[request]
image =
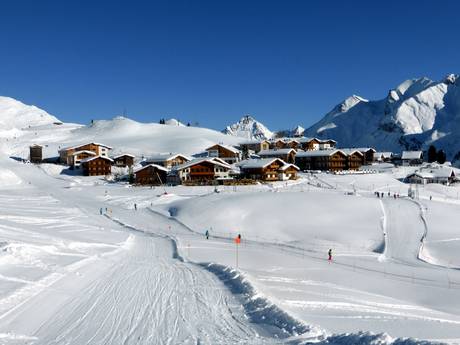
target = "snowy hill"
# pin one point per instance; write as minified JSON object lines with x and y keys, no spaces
{"x":123,"y":134}
{"x":15,"y":116}
{"x":417,"y":113}
{"x":174,"y":122}
{"x":249,"y":128}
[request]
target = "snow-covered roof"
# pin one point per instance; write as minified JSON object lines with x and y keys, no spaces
{"x":351,"y":151}
{"x":96,"y":157}
{"x":306,"y":140}
{"x":193,"y":162}
{"x":258,"y":163}
{"x":159,"y":167}
{"x":318,"y":153}
{"x":288,"y":165}
{"x":252,"y":142}
{"x":90,"y":143}
{"x":123,"y":155}
{"x":227,"y":147}
{"x":84,"y":151}
{"x":384,"y":154}
{"x":276,"y":152}
{"x":364,"y":149}
{"x":162,"y":157}
{"x":412,"y":155}
{"x":434,"y":172}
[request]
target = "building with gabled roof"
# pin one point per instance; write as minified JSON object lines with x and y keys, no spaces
{"x":412,"y":158}
{"x":99,"y":149}
{"x":268,"y":169}
{"x":96,"y":166}
{"x":202,"y":170}
{"x":287,"y":154}
{"x":124,"y":160}
{"x":168,"y":160}
{"x":151,"y":174}
{"x":227,"y":153}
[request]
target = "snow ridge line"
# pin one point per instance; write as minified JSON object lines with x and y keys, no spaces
{"x":259,"y":309}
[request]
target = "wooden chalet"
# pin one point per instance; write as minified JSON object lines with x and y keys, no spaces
{"x":289,"y":172}
{"x":36,"y":153}
{"x":96,"y":166}
{"x":65,"y":154}
{"x":228,"y":154}
{"x":123,"y":160}
{"x":204,"y":170}
{"x":368,"y":154}
{"x":312,"y":144}
{"x":255,"y":145}
{"x":412,"y":158}
{"x":287,"y":154}
{"x":333,"y":160}
{"x":355,"y":158}
{"x":77,"y":157}
{"x":278,"y":144}
{"x":383,"y":156}
{"x":168,"y":160}
{"x":152,"y":174}
{"x":268,"y":169}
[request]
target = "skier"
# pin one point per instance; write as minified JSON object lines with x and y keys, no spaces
{"x":431,"y":197}
{"x":239,"y":237}
{"x":207,"y":234}
{"x":329,"y":253}
{"x":100,"y":211}
{"x":135,"y":207}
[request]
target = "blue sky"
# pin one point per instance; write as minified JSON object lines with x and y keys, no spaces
{"x":285,"y":62}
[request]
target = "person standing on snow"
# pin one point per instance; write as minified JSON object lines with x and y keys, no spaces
{"x":135,"y":207}
{"x":329,"y":253}
{"x":100,"y":211}
{"x":207,"y":234}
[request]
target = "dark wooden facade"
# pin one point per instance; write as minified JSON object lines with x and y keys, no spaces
{"x":151,"y":175}
{"x":255,"y":146}
{"x":36,"y":153}
{"x":124,"y":161}
{"x":333,"y":161}
{"x":267,"y":173}
{"x":355,"y":160}
{"x":227,"y":154}
{"x":97,"y":166}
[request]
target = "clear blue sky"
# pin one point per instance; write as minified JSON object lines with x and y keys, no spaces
{"x":285,"y":62}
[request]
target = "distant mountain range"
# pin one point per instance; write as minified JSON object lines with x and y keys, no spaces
{"x":414,"y":115}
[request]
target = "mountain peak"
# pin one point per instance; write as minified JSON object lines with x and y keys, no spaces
{"x":248,"y":127}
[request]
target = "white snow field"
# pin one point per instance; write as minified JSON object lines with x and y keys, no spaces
{"x":79,"y":265}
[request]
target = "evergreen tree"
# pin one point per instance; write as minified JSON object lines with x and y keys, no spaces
{"x":441,"y":157}
{"x":432,"y":154}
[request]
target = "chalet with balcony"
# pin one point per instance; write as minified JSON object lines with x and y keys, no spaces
{"x":254,"y":146}
{"x":228,"y":154}
{"x":77,"y":157}
{"x":204,"y":170}
{"x":151,"y":174}
{"x":355,"y":158}
{"x":333,"y":160}
{"x":268,"y":169}
{"x":97,"y":166}
{"x":123,"y":160}
{"x":312,"y":144}
{"x":65,"y":154}
{"x":169,"y":161}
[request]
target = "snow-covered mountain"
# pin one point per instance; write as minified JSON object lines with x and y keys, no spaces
{"x":174,"y":122}
{"x":249,"y":128}
{"x":16,"y":116}
{"x":298,"y":131}
{"x":417,"y":113}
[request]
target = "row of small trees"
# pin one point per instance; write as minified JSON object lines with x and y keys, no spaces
{"x":436,"y":155}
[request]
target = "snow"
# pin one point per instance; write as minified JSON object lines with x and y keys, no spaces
{"x":71,"y":275}
{"x":418,"y":113}
{"x":247,"y":127}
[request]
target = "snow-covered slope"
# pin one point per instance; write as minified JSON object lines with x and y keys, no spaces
{"x":15,"y":116}
{"x":173,"y":122}
{"x":417,"y":113}
{"x":249,"y":128}
{"x":298,"y":131}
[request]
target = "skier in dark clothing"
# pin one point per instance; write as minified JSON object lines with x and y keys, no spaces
{"x":135,"y":207}
{"x":329,"y":253}
{"x":207,"y":234}
{"x":100,"y":211}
